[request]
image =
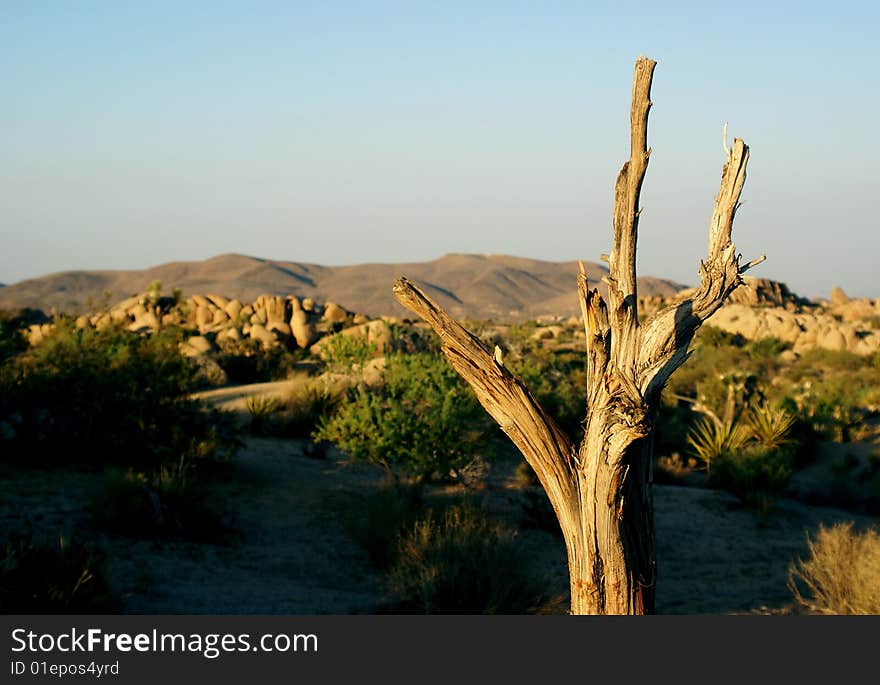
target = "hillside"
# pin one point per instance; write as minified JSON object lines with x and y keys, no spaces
{"x":476,"y":286}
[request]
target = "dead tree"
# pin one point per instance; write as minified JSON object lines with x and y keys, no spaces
{"x":601,"y":490}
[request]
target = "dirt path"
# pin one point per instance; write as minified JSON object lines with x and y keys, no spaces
{"x":293,"y":553}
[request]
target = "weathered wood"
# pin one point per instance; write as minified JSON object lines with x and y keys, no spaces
{"x":601,"y":492}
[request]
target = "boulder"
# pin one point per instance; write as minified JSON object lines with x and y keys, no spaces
{"x":856,"y":310}
{"x":762,"y":291}
{"x":308,"y":304}
{"x":233,"y":309}
{"x":832,"y":339}
{"x":231,"y":333}
{"x":208,"y":371}
{"x":200,"y":344}
{"x":145,"y":323}
{"x":219,"y":301}
{"x":304,"y":332}
{"x":204,"y":316}
{"x":838,"y":297}
{"x":127,"y":304}
{"x":82,"y":322}
{"x":259,"y":332}
{"x":119,"y":316}
{"x":276,"y":309}
{"x":280,"y":327}
{"x":137,"y":311}
{"x":200,"y":301}
{"x":220,"y":317}
{"x":333,"y":313}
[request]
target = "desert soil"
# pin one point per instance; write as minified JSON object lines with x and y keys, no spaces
{"x":291,"y":552}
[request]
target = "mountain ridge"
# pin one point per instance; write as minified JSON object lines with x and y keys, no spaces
{"x":477,"y":286}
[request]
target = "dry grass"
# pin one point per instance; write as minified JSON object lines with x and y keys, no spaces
{"x":842,"y":574}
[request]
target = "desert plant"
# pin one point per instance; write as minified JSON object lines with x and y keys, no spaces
{"x":767,"y":347}
{"x":376,"y":526}
{"x":109,"y":396}
{"x":171,"y":502}
{"x":711,"y":439}
{"x":841,"y":574}
{"x":304,"y":408}
{"x":769,"y":426}
{"x":61,"y":577}
{"x":423,"y":419}
{"x":261,"y":409}
{"x":461,"y":562}
{"x":341,"y":352}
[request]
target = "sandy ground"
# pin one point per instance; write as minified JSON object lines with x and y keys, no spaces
{"x":292,"y":553}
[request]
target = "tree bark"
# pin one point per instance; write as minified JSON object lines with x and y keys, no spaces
{"x":601,"y":491}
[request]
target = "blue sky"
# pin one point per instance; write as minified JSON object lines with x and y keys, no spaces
{"x":339,"y":132}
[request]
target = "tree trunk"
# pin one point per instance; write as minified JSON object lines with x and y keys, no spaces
{"x":601,"y":491}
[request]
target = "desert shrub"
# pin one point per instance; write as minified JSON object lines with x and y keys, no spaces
{"x":841,"y":574}
{"x":767,"y":347}
{"x":248,"y":361}
{"x":376,"y":526}
{"x":109,"y":396}
{"x":170,"y":503}
{"x":559,"y":382}
{"x":59,"y":577}
{"x":460,"y":562}
{"x":12,"y":341}
{"x":295,"y":416}
{"x":712,"y":336}
{"x":304,"y":408}
{"x":424,"y":419}
{"x":261,"y":409}
{"x":754,"y":473}
{"x":341,"y":353}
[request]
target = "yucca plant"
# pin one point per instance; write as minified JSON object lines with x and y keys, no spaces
{"x":711,"y":439}
{"x":769,"y":426}
{"x":261,"y":408}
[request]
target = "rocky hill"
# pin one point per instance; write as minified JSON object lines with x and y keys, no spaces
{"x":467,"y":285}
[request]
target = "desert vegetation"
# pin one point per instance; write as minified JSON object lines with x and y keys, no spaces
{"x":453,"y":520}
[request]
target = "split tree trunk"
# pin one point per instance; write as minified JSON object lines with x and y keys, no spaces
{"x":601,"y":491}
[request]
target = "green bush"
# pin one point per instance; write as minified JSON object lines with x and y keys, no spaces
{"x":841,"y":574}
{"x":169,"y":503}
{"x":109,"y":396}
{"x":462,"y":563}
{"x":424,"y":419}
{"x":767,"y":347}
{"x":754,"y":473}
{"x":60,"y":578}
{"x":12,"y":341}
{"x":385,"y":514}
{"x":247,"y":361}
{"x":559,"y":383}
{"x":294,"y":416}
{"x":341,"y":352}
